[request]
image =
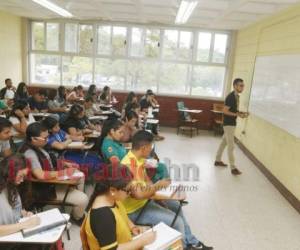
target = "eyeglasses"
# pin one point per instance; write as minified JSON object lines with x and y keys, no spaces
{"x":41,"y":138}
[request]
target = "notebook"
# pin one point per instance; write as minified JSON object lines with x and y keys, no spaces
{"x":165,"y":237}
{"x":170,"y":190}
{"x":49,"y":219}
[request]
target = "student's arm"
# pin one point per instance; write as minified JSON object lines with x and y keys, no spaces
{"x":7,"y":152}
{"x":141,"y":191}
{"x":138,"y":243}
{"x":226,"y":111}
{"x":14,"y":228}
{"x":55,"y":110}
{"x":61,"y":145}
{"x":75,"y":137}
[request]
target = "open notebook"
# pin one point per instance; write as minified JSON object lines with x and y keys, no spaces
{"x":165,"y":237}
{"x":49,"y":219}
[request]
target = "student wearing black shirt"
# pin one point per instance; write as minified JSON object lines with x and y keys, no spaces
{"x":231,"y":112}
{"x":38,"y":102}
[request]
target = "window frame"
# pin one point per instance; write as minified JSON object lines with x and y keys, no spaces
{"x":159,"y":59}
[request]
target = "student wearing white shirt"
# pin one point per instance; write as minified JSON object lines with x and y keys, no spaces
{"x":20,"y":119}
{"x":8,"y":92}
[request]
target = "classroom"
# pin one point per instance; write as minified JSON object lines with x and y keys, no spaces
{"x":150,"y":124}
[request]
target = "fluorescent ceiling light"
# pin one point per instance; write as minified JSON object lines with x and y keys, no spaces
{"x":53,"y":7}
{"x":185,"y":10}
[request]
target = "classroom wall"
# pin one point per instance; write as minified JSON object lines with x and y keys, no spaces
{"x":272,"y":146}
{"x":10,"y":48}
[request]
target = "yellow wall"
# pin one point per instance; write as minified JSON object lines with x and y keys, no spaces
{"x":10,"y":48}
{"x":275,"y":148}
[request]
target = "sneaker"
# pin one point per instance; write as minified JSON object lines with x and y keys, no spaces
{"x":235,"y":171}
{"x":220,"y":164}
{"x":200,"y":246}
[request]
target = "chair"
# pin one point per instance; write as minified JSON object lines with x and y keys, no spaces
{"x":185,"y":121}
{"x":218,"y":118}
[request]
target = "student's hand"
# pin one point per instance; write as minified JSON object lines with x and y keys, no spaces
{"x":69,"y":171}
{"x":68,"y":141}
{"x":148,"y":238}
{"x":19,"y":113}
{"x":80,"y":138}
{"x":135,"y":230}
{"x":31,"y":222}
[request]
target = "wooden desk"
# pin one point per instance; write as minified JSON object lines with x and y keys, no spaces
{"x":41,"y":114}
{"x":47,"y":237}
{"x":152,"y":121}
{"x":95,"y":134}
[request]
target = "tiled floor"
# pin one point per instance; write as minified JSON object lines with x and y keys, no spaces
{"x":227,"y":212}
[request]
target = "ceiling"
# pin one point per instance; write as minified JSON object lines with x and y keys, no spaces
{"x":210,"y":14}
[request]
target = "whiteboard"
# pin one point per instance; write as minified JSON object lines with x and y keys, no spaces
{"x":275,"y":93}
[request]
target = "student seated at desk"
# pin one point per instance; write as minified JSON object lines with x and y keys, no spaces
{"x":43,"y":168}
{"x":92,"y":90}
{"x":88,"y":106}
{"x":130,"y":99}
{"x":106,"y":96}
{"x":13,"y":171}
{"x":38,"y":102}
{"x":5,"y":135}
{"x":59,"y":140}
{"x":111,"y":148}
{"x":53,"y":104}
{"x":143,"y":189}
{"x":21,"y":93}
{"x":107,"y":225}
{"x":8,"y":92}
{"x":60,"y":97}
{"x":20,"y":118}
{"x":76,"y":94}
{"x":76,"y":122}
{"x":130,"y":126}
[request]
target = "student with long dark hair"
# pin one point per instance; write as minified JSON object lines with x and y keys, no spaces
{"x":130,"y":126}
{"x":76,"y":94}
{"x":20,"y":118}
{"x":91,"y":90}
{"x":21,"y":93}
{"x":61,"y":96}
{"x":111,"y":147}
{"x":76,"y":123}
{"x":13,"y":171}
{"x":106,"y":97}
{"x":107,"y":225}
{"x":44,"y":168}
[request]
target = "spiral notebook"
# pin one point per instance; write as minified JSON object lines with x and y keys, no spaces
{"x":49,"y":219}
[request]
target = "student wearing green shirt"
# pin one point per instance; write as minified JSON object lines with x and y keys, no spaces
{"x":111,"y":148}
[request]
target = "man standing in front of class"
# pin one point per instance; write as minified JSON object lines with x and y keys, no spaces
{"x":231,"y":112}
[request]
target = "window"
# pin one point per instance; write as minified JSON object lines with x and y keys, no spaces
{"x":185,"y":46}
{"x":173,"y":78}
{"x":45,"y":69}
{"x":52,"y":36}
{"x":38,"y":36}
{"x":137,"y":42}
{"x":170,"y":44}
{"x":220,"y":47}
{"x":110,"y":72}
{"x":208,"y":81}
{"x":125,"y":57}
{"x":77,"y":70}
{"x":86,"y":39}
{"x":152,"y":43}
{"x":119,"y":41}
{"x":104,"y":40}
{"x":142,"y":75}
{"x":71,"y":40}
{"x":204,"y":41}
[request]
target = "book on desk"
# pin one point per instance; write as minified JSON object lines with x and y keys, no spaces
{"x":166,"y":238}
{"x":49,"y":219}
